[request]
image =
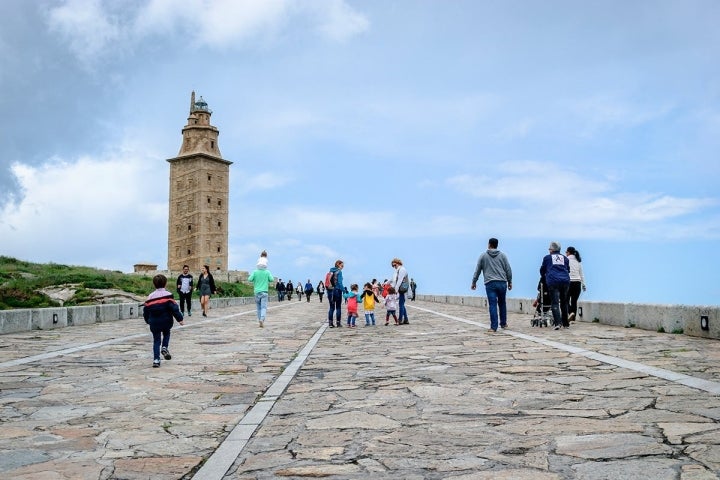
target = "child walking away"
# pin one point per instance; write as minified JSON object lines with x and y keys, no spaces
{"x":369,"y":299}
{"x":391,"y":301}
{"x":352,"y":298}
{"x":159,"y":312}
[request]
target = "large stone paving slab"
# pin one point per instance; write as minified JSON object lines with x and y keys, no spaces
{"x":427,"y":401}
{"x":438,"y":398}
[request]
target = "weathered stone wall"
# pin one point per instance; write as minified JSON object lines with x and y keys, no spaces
{"x":668,"y":318}
{"x":23,"y":320}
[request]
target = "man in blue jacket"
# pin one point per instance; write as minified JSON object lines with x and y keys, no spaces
{"x":556,"y":271}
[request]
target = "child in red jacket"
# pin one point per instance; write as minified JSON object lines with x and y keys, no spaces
{"x":352,"y":298}
{"x":159,"y":311}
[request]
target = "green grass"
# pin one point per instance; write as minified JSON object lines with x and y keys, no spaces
{"x":20,"y":282}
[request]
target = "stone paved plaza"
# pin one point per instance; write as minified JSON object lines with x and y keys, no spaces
{"x":437,"y":399}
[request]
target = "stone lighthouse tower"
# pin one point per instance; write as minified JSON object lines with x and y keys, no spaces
{"x":199,"y":191}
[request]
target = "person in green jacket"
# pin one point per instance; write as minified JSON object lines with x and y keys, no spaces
{"x":261,"y":278}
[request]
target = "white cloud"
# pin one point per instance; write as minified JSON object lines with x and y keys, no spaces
{"x":243,"y":183}
{"x":338,"y":21}
{"x":602,"y":112}
{"x":86,"y":26}
{"x":216,"y":23}
{"x":88,"y":209}
{"x":544,"y":198}
{"x":93,"y":30}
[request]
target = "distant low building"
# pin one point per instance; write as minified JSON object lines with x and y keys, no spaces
{"x":144,"y":267}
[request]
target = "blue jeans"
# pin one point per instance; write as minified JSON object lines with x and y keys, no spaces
{"x":369,"y":317}
{"x":496,"y":291}
{"x":559,"y":296}
{"x":161,"y":336}
{"x":403,"y":310}
{"x":335,"y":300}
{"x":261,"y":301}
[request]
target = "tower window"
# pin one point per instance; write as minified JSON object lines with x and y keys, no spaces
{"x":208,"y":199}
{"x":189,"y":228}
{"x":219,"y":203}
{"x":212,"y":144}
{"x":218,"y":249}
{"x":188,"y":251}
{"x":219,"y":224}
{"x":209,"y":178}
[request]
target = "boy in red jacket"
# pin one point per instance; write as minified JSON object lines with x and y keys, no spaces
{"x":159,"y":312}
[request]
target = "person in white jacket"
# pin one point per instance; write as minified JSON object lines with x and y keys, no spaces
{"x":401,"y":284}
{"x":577,"y":281}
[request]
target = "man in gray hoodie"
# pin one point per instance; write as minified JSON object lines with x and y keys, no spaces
{"x":495,"y":267}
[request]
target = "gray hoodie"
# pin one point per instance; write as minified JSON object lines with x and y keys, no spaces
{"x":494,"y":265}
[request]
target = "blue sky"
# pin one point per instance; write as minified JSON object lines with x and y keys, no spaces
{"x":366,"y":130}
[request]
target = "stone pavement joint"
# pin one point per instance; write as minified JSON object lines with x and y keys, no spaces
{"x":436,"y":399}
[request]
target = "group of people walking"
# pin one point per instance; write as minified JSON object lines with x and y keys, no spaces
{"x":393,"y":295}
{"x":285,"y":290}
{"x":205,"y":288}
{"x":562,"y":275}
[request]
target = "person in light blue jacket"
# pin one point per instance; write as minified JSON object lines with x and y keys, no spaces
{"x":261,"y":279}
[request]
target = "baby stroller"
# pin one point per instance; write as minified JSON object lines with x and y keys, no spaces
{"x":542,"y":316}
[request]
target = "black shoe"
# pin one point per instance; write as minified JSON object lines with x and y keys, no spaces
{"x":165,"y":353}
{"x":406,"y":322}
{"x":332,"y":326}
{"x":204,"y":314}
{"x":156,"y":363}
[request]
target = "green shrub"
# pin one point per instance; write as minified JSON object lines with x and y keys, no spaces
{"x":20,"y":282}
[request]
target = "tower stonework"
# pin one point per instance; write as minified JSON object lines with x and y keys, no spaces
{"x":199,"y":194}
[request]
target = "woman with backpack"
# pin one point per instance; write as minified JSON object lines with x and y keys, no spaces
{"x":334,"y":285}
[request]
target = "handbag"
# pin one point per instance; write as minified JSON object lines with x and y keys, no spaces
{"x":403,"y":288}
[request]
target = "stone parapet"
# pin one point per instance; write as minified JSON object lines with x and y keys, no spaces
{"x":47,"y":318}
{"x":85,"y":315}
{"x":23,"y":320}
{"x":686,"y":319}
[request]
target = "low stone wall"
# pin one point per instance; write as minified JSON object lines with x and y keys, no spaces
{"x":668,"y":318}
{"x":684,"y":319}
{"x":23,"y":320}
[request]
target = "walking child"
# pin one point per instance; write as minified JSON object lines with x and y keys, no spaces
{"x":369,"y":299}
{"x":352,"y":298}
{"x":391,"y":301}
{"x":159,"y":312}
